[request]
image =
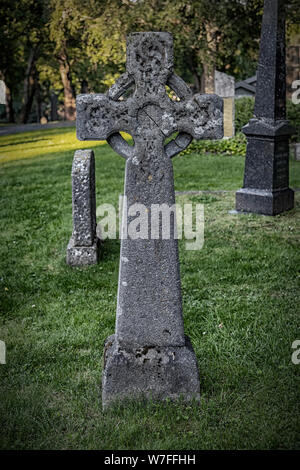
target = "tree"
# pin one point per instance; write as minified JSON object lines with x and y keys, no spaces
{"x":21,"y":44}
{"x":69,"y":23}
{"x":207,"y":33}
{"x":11,"y":52}
{"x":53,"y":50}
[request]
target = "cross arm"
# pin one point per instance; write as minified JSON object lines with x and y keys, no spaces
{"x":201,"y":116}
{"x":98,"y":117}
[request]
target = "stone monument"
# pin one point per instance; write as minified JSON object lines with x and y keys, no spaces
{"x":225,"y":87}
{"x":266,"y":178}
{"x":149,"y":355}
{"x":83,"y":247}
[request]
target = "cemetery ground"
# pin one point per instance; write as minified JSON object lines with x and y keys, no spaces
{"x":239,"y":301}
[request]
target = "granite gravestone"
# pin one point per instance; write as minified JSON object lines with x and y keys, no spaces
{"x":149,"y":354}
{"x":225,"y":87}
{"x":266,"y":178}
{"x":83,"y":247}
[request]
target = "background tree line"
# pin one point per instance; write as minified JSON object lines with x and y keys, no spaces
{"x":51,"y":50}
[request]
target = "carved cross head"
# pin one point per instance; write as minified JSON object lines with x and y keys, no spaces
{"x":149,"y":115}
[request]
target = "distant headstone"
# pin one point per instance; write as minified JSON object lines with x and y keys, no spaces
{"x":224,"y":84}
{"x":266,"y":178}
{"x":149,"y":354}
{"x":246,"y":88}
{"x":295,"y":151}
{"x":225,"y":87}
{"x":2,"y":92}
{"x":83,"y":247}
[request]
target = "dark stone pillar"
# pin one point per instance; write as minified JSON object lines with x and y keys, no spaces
{"x":266,"y":179}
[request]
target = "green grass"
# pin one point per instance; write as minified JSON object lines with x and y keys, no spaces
{"x":240,"y":299}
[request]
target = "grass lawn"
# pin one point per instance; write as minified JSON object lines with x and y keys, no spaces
{"x":240,"y":299}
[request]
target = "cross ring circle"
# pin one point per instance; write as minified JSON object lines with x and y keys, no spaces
{"x":172,"y":148}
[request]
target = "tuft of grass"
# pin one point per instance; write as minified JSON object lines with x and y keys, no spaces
{"x":240,"y":301}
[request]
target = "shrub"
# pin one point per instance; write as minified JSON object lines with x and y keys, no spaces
{"x":244,"y":109}
{"x":293,"y":115}
{"x":233,"y":146}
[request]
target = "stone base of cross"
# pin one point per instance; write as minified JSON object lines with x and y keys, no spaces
{"x":149,"y":355}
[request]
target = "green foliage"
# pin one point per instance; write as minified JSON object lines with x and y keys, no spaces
{"x":233,"y":146}
{"x":293,"y":115}
{"x":22,"y":31}
{"x":244,"y":109}
{"x":91,"y":37}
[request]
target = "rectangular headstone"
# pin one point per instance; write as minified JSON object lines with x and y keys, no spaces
{"x":225,"y":87}
{"x":83,"y":246}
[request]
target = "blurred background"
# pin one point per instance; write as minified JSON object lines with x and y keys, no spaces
{"x":52,"y":50}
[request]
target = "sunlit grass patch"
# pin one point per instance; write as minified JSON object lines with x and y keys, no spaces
{"x":33,"y":144}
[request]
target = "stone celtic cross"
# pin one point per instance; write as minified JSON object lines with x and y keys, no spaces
{"x":149,"y":354}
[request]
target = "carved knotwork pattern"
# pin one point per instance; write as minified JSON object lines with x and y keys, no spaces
{"x":149,"y":115}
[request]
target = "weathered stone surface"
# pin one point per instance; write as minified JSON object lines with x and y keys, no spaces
{"x":270,"y":102}
{"x":84,"y":245}
{"x":266,"y":178}
{"x":83,"y":255}
{"x":149,"y":372}
{"x":149,"y":308}
{"x":224,"y":85}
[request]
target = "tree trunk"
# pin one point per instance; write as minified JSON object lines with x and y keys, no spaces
{"x":53,"y":103}
{"x":38,"y":102}
{"x":29,"y":85}
{"x":38,"y":99}
{"x":208,"y":78}
{"x":84,"y":86}
{"x":197,"y":81}
{"x":28,"y":101}
{"x":10,"y":115}
{"x":69,"y":94}
{"x":192,"y":65}
{"x":209,"y":61}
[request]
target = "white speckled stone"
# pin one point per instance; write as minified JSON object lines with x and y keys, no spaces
{"x":149,"y":309}
{"x":83,"y":247}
